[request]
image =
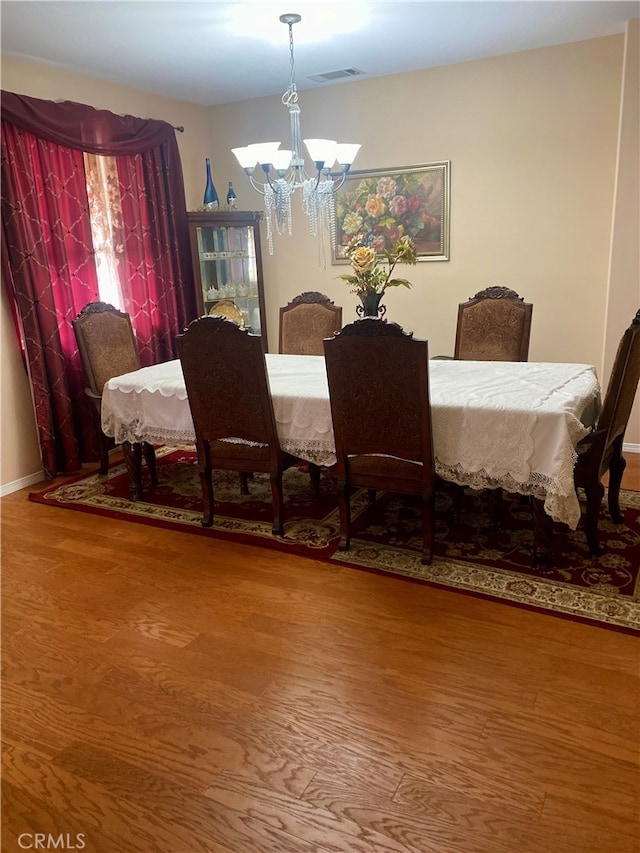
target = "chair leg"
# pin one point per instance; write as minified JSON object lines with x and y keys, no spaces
{"x":616,"y":469}
{"x":594,"y":494}
{"x":244,"y":483}
{"x":133,"y":460}
{"x":372,"y":498}
{"x":277,"y":498}
{"x":344,"y":509}
{"x":206,"y":484}
{"x":149,"y":453}
{"x":428,"y":508}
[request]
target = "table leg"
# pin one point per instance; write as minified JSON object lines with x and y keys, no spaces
{"x":149,"y":454}
{"x":542,"y":558}
{"x":494,"y":499}
{"x":133,"y":460}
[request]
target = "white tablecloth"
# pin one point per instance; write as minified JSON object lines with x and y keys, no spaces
{"x":508,"y":424}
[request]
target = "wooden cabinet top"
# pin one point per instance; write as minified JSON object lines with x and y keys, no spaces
{"x":225,"y":217}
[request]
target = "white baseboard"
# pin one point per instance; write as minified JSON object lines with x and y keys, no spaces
{"x":22,"y":483}
{"x":631,"y":448}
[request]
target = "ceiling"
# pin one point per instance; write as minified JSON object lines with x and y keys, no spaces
{"x":213,"y":52}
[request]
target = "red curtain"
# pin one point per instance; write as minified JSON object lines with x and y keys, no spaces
{"x":47,"y":259}
{"x":47,"y":265}
{"x":150,"y":256}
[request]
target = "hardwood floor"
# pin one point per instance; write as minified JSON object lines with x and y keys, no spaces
{"x":164,"y":692}
{"x":631,"y":476}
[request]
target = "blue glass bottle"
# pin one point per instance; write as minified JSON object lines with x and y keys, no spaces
{"x":211,"y":201}
{"x":232,"y":199}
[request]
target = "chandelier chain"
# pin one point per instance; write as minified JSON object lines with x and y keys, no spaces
{"x":291,"y":95}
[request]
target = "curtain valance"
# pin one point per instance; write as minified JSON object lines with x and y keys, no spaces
{"x":86,"y":128}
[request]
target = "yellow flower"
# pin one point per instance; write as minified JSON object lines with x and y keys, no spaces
{"x":363,"y":260}
{"x":375,"y":206}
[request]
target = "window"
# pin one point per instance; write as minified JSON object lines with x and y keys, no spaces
{"x":106,"y":225}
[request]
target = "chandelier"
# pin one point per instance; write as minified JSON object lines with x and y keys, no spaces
{"x":284,"y":170}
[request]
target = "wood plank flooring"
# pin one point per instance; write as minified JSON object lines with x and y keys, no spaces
{"x":164,"y":692}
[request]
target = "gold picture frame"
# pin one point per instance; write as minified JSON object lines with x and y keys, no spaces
{"x":381,"y":205}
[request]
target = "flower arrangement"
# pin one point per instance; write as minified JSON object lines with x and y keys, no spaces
{"x":369,"y":275}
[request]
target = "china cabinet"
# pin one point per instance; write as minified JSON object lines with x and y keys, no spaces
{"x":227,"y":266}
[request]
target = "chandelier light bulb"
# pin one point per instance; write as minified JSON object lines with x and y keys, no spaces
{"x":346,"y":153}
{"x":246,"y":157}
{"x":322,"y":152}
{"x":281,"y":160}
{"x":264,"y":151}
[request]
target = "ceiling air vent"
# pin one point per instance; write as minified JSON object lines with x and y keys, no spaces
{"x":331,"y":76}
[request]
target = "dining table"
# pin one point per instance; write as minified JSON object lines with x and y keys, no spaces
{"x":496,"y":425}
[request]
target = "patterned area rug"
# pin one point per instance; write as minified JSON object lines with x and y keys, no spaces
{"x":604,"y":589}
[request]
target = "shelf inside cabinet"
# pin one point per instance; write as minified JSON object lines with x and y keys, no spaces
{"x":224,"y":256}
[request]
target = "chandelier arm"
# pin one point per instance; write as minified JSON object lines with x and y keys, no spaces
{"x":290,"y":179}
{"x":259,"y":188}
{"x":338,"y":182}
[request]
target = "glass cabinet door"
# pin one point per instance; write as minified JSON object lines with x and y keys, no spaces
{"x":227,"y":266}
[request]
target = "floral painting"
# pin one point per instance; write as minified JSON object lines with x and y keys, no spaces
{"x":378,"y":207}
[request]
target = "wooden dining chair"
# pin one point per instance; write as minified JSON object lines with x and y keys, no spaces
{"x":107,"y":348}
{"x":601,"y":450}
{"x":493,"y":325}
{"x":379,"y":392}
{"x":227,"y":386}
{"x":306,"y":321}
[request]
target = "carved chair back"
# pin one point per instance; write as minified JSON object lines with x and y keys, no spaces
{"x":494,"y":325}
{"x":306,"y":321}
{"x":622,"y":386}
{"x":106,"y":344}
{"x":379,"y":392}
{"x":108,"y":348}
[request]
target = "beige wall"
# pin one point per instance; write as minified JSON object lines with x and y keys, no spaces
{"x":623,"y":297}
{"x":20,"y":449}
{"x":533,"y":140}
